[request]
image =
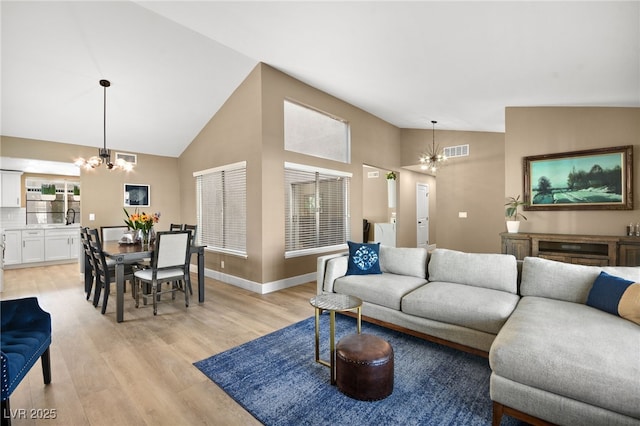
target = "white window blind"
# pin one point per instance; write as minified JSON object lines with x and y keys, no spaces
{"x":316,"y":208}
{"x":222,"y":208}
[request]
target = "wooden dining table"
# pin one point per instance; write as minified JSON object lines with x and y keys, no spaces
{"x":124,"y":254}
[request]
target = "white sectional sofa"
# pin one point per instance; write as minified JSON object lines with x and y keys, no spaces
{"x":563,"y":361}
{"x":552,"y":357}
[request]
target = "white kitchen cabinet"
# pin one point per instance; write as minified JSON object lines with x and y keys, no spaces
{"x":11,"y":189}
{"x":32,"y":245}
{"x":61,"y":244}
{"x":12,"y":247}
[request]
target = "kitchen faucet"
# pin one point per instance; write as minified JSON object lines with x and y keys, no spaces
{"x":67,"y":221}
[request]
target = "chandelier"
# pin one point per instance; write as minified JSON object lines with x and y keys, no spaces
{"x":433,"y":158}
{"x":104,"y":154}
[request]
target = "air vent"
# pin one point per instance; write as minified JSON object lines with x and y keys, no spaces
{"x":372,"y":175}
{"x":456,"y":151}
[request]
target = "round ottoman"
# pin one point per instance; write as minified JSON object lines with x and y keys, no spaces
{"x":364,"y":367}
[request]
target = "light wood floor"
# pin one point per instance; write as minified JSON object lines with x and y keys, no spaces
{"x":140,"y":372}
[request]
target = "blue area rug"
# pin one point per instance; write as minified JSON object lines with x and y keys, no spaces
{"x":276,"y":379}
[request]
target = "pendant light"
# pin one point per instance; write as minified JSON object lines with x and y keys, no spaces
{"x":104,"y":154}
{"x":432,"y":159}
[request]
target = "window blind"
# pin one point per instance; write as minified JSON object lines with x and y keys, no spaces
{"x":316,"y":209}
{"x":222,"y":208}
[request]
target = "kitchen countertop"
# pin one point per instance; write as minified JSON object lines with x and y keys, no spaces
{"x":39,"y":226}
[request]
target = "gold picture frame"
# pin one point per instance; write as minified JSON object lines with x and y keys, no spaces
{"x":596,"y":179}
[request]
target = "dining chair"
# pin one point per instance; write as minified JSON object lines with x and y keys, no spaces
{"x":193,"y":229}
{"x":89,"y":260}
{"x":105,"y":271}
{"x":113,"y":233}
{"x":170,"y":263}
{"x":175,"y":227}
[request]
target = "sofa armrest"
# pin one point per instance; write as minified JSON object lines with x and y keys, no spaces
{"x":323,"y":261}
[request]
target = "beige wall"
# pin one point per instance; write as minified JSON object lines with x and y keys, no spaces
{"x":234,"y":134}
{"x":102,"y":190}
{"x":373,"y":141}
{"x":473,"y":184}
{"x":250,"y":126}
{"x":548,"y":130}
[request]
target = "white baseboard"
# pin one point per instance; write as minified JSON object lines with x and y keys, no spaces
{"x":260,"y":288}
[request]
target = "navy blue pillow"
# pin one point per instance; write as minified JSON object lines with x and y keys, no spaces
{"x":606,"y":292}
{"x":363,"y":259}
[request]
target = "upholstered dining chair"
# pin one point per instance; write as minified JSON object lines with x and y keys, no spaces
{"x":170,"y":263}
{"x":105,"y":271}
{"x":25,"y":337}
{"x":112,"y":233}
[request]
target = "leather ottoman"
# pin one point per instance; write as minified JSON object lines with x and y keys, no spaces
{"x":364,"y":367}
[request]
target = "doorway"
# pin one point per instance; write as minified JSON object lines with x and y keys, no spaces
{"x":422,"y":215}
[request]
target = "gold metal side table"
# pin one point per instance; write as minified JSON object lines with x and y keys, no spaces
{"x":333,"y":303}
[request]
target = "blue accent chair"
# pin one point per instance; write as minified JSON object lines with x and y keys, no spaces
{"x":25,"y":336}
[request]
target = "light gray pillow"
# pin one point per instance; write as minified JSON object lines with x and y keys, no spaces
{"x":488,"y":270}
{"x":404,"y":261}
{"x":565,"y":281}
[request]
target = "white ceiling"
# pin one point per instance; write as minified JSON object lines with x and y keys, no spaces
{"x":172,"y":64}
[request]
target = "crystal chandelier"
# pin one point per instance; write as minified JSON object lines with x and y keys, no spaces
{"x":104,"y":154}
{"x":433,"y":158}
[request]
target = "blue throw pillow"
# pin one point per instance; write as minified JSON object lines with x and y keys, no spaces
{"x":606,"y":292}
{"x":363,"y":259}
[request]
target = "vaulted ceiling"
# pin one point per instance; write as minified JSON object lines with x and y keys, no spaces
{"x":172,"y":64}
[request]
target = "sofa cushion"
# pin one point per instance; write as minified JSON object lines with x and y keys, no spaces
{"x":363,"y":258}
{"x":404,"y":261}
{"x":565,"y":281}
{"x":488,"y":270}
{"x":382,"y":289}
{"x":616,"y":296}
{"x":478,"y":308}
{"x":573,"y":350}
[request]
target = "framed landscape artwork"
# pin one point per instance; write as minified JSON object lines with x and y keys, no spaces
{"x":597,"y":179}
{"x":136,"y":195}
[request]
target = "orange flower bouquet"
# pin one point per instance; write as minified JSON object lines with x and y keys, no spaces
{"x":142,"y":222}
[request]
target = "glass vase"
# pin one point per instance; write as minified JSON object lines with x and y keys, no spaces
{"x":145,"y":238}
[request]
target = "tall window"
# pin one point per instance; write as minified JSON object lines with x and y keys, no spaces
{"x":316,"y":209}
{"x":311,"y":132}
{"x":222,"y":208}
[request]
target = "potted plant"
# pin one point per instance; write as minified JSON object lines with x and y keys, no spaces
{"x":48,"y":191}
{"x":391,"y":189}
{"x":512,"y":214}
{"x":76,"y":193}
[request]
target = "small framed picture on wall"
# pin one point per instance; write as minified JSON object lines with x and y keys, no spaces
{"x":136,"y":195}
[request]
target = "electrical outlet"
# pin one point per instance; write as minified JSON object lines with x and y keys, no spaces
{"x":462,"y":215}
{"x":92,"y":216}
{"x":222,"y":264}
